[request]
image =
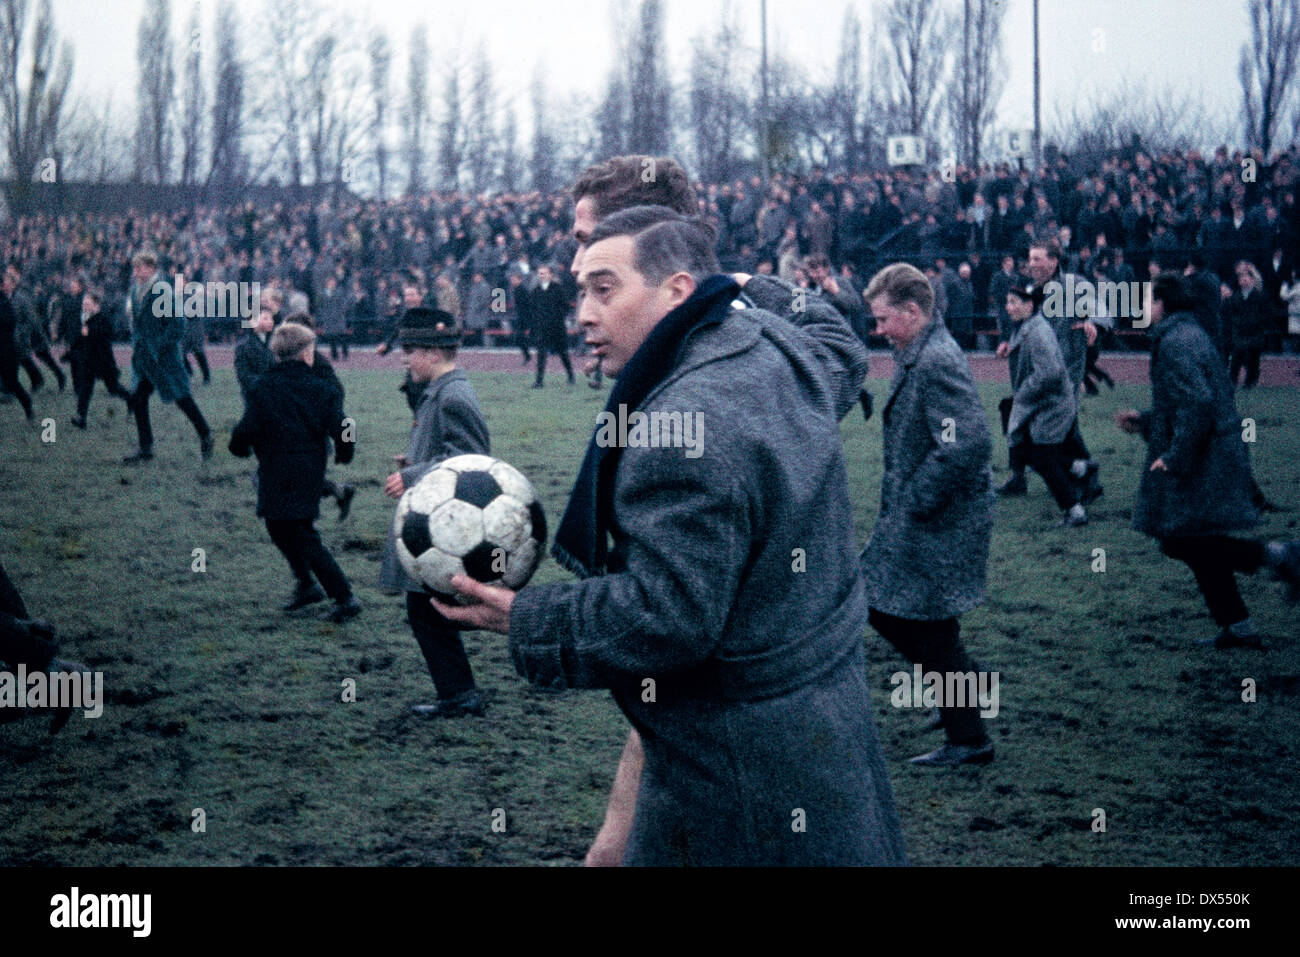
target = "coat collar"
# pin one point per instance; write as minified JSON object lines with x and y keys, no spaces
{"x":435,"y":386}
{"x":907,"y":357}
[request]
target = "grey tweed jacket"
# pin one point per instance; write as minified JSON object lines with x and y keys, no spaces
{"x":730,"y":623}
{"x":1044,"y":397}
{"x":929,"y":550}
{"x":448,"y":421}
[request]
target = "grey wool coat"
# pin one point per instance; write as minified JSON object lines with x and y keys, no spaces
{"x":729,"y":623}
{"x":928,"y":553}
{"x":1044,"y":398}
{"x":448,"y":422}
{"x":1194,"y":426}
{"x":1074,"y":342}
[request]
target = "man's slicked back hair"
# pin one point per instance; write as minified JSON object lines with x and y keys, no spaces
{"x":622,"y":182}
{"x":664,"y":241}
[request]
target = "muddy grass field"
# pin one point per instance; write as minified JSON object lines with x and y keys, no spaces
{"x":215,"y":700}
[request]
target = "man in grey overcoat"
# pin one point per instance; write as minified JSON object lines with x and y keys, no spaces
{"x":727,"y":614}
{"x":925,"y":562}
{"x":1044,"y":401}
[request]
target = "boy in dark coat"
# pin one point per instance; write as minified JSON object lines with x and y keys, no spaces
{"x":1197,"y":488}
{"x":448,"y":422}
{"x":91,"y":357}
{"x":253,"y":354}
{"x":291,"y":414}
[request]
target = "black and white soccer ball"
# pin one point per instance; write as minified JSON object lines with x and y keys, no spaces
{"x":472,"y":514}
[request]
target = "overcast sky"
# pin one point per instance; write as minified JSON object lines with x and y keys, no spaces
{"x":1087,"y":45}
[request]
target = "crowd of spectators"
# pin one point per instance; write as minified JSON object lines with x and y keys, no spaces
{"x":1125,"y":218}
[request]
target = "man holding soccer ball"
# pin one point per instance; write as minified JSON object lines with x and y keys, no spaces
{"x":726,"y":615}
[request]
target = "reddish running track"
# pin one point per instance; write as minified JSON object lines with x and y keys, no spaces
{"x":1129,"y":368}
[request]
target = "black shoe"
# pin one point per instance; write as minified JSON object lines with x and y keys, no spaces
{"x":951,"y":755}
{"x":1227,"y":638}
{"x":537,"y":385}
{"x":467,"y":702}
{"x":1014,"y":487}
{"x":138,"y":456}
{"x":1288,"y":570}
{"x":303,"y":596}
{"x":206,"y":445}
{"x":345,"y":500}
{"x":78,"y":421}
{"x":344,"y":610}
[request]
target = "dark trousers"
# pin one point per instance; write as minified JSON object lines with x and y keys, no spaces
{"x":543,"y":350}
{"x":935,"y":646}
{"x":1073,"y":445}
{"x":1215,"y":560}
{"x":339,"y":342}
{"x":521,"y":339}
{"x":145,"y":430}
{"x":83,"y":382}
{"x":201,"y":357}
{"x":9,"y":379}
{"x":1247,"y":358}
{"x":1052,"y":462}
{"x":307,"y":555}
{"x":439,"y":640}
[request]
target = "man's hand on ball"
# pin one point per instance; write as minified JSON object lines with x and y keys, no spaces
{"x":491,"y":611}
{"x":394,"y":486}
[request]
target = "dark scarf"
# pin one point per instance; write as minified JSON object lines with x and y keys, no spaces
{"x":581,"y":542}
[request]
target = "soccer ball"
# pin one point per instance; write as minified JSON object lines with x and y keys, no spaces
{"x":473,"y":514}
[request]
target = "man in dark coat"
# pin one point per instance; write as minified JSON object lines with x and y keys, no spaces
{"x":291,"y":416}
{"x":253,"y":354}
{"x":549,"y":306}
{"x":1248,"y":318}
{"x":156,"y":358}
{"x":927,"y":558}
{"x":747,"y":683}
{"x":9,"y":356}
{"x":31,"y":337}
{"x":91,"y":357}
{"x":1196,"y":488}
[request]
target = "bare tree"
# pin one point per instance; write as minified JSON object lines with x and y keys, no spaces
{"x":192,"y":117}
{"x":154,"y":96}
{"x":480,"y":133}
{"x":611,"y":116}
{"x":845,"y":104}
{"x":1162,"y":118}
{"x":512,"y":167}
{"x":32,"y":116}
{"x":291,"y":27}
{"x":451,"y":128}
{"x":650,"y":121}
{"x":228,"y":165}
{"x":542,"y":168}
{"x":917,"y":33}
{"x":717,"y":98}
{"x":980,"y":79}
{"x":319,"y":118}
{"x":381,"y":61}
{"x":1268,"y":67}
{"x":417,"y":108}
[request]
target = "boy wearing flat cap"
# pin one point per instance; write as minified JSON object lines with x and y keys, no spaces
{"x":448,"y":422}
